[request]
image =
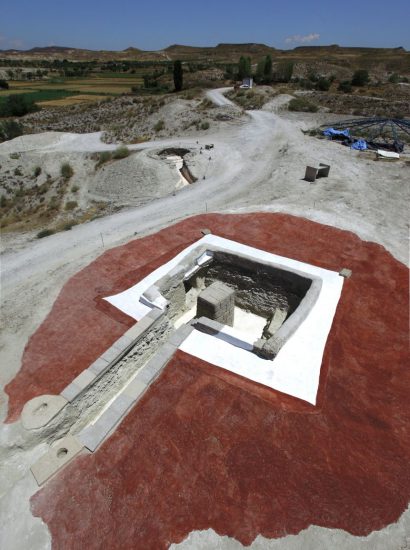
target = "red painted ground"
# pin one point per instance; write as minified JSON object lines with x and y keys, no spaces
{"x":205,"y":448}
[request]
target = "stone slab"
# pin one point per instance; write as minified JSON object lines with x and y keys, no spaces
{"x":135,"y":389}
{"x":84,"y":379}
{"x":150,"y":371}
{"x":39,"y":411}
{"x":110,"y":354}
{"x":58,"y":456}
{"x":71,"y":391}
{"x":98,"y":366}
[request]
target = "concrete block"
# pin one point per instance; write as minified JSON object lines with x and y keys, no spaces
{"x":135,"y":389}
{"x":84,"y":379}
{"x":92,"y":436}
{"x":98,"y":366}
{"x":140,"y":328}
{"x":155,"y":314}
{"x":58,"y":456}
{"x":151,"y":370}
{"x":180,"y":335}
{"x":122,"y":403}
{"x":346,"y":273}
{"x":39,"y":411}
{"x":311,"y":173}
{"x":110,"y":354}
{"x":123,"y":343}
{"x":217,"y":302}
{"x":71,"y":391}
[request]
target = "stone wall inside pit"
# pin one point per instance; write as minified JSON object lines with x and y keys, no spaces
{"x":260,"y":289}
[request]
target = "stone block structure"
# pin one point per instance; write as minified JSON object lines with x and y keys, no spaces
{"x":217,"y":302}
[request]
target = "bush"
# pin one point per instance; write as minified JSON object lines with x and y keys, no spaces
{"x":323,"y":84}
{"x":3,"y":201}
{"x":45,"y":233}
{"x":394,"y":78}
{"x":160,"y":125}
{"x":17,"y":105}
{"x":121,"y":152}
{"x":37,"y":171}
{"x":10,"y":129}
{"x":301,"y":104}
{"x":69,"y":225}
{"x":74,"y":188}
{"x":66,"y":171}
{"x":70,"y":205}
{"x":205,"y":125}
{"x":4,"y":85}
{"x":360,"y":78}
{"x":345,"y":87}
{"x":103,"y":157}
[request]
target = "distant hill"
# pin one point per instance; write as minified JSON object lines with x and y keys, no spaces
{"x":390,"y":59}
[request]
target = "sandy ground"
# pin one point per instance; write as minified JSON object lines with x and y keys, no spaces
{"x":257,"y":164}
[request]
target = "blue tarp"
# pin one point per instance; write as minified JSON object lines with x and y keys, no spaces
{"x":360,"y":145}
{"x":330,"y":132}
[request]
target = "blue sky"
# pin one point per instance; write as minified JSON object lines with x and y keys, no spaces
{"x":152,"y":25}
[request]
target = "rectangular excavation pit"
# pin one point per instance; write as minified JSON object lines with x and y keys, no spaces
{"x":293,"y":302}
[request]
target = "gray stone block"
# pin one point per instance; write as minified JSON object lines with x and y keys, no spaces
{"x":111,"y":354}
{"x":135,"y":389}
{"x":71,"y":391}
{"x":346,"y":273}
{"x":98,"y":366}
{"x":56,"y":458}
{"x":180,"y":335}
{"x":123,"y":343}
{"x":122,"y":403}
{"x":151,"y":370}
{"x":84,"y":379}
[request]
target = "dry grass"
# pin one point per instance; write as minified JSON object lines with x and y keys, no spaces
{"x":73,"y":100}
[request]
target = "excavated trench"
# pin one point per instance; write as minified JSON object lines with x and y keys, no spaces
{"x":179,"y":152}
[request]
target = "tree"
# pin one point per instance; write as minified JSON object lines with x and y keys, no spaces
{"x":244,"y":67}
{"x":178,"y":76}
{"x":17,"y":105}
{"x":360,"y":77}
{"x":267,"y":72}
{"x":4,"y":85}
{"x":284,"y":71}
{"x":10,"y":129}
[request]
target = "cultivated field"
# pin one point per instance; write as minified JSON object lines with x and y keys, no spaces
{"x":68,"y":91}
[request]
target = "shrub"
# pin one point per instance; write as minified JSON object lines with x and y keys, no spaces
{"x":323,"y":84}
{"x":160,"y":125}
{"x":394,"y":78}
{"x":74,"y":188}
{"x":18,"y":172}
{"x":103,"y":157}
{"x":301,"y":104}
{"x":45,"y":233}
{"x":66,"y":171}
{"x":17,"y":105}
{"x":4,"y":85}
{"x":69,"y":225}
{"x":37,"y":171}
{"x":3,"y":201}
{"x":15,"y":155}
{"x":360,"y":78}
{"x":70,"y":205}
{"x":345,"y":87}
{"x":205,"y":125}
{"x":121,"y":152}
{"x":9,"y":129}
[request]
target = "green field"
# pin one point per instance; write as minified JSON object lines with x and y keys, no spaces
{"x":41,"y":95}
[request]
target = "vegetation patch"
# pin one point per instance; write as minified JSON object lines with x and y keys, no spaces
{"x":302,"y":105}
{"x":121,"y":152}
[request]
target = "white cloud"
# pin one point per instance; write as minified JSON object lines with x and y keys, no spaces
{"x":299,"y":39}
